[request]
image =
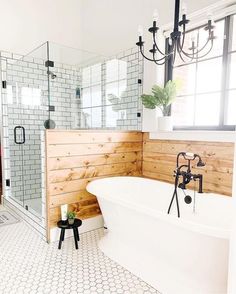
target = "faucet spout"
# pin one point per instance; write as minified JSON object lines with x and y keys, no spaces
{"x":200,"y":180}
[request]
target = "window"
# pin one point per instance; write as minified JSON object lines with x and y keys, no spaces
{"x":207,"y":95}
{"x":30,"y":96}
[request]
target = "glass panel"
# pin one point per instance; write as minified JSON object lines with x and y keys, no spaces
{"x":209,"y":75}
{"x":234,"y":34}
{"x":111,"y":116}
{"x":30,"y":96}
{"x":86,"y":98}
{"x":86,"y":77}
{"x":73,"y":88}
{"x":232,"y":80}
{"x":204,"y":103}
{"x":112,"y":93}
{"x":96,"y":74}
{"x":86,"y":121}
{"x":231,"y":109}
{"x":9,"y":94}
{"x":27,"y":97}
{"x":96,"y":96}
{"x":186,"y":76}
{"x":112,"y":68}
{"x":183,"y":111}
{"x":122,"y":70}
{"x":122,"y":88}
{"x":96,"y":117}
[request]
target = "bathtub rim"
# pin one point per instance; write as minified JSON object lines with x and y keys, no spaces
{"x":211,"y":231}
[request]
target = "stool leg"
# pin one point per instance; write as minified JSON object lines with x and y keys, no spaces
{"x":61,"y":238}
{"x":75,"y":238}
{"x":63,"y":235}
{"x":77,"y":234}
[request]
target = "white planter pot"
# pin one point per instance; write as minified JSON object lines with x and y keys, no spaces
{"x":165,"y":123}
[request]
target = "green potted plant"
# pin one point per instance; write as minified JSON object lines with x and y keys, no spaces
{"x":71,"y":217}
{"x":161,"y":98}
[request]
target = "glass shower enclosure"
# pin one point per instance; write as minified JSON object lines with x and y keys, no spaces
{"x":39,"y":91}
{"x":55,"y":86}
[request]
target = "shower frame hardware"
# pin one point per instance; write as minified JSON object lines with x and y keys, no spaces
{"x":186,"y":175}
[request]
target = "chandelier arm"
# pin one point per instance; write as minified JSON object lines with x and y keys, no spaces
{"x":141,"y":51}
{"x":149,"y":59}
{"x":181,"y":57}
{"x":199,"y":57}
{"x":183,"y":38}
{"x":157,"y":62}
{"x":200,"y":50}
{"x":180,"y":51}
{"x":158,"y":49}
{"x":162,"y":58}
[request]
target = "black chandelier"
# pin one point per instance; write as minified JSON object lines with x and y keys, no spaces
{"x":177,"y":40}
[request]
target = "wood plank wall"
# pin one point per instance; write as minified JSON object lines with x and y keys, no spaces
{"x":159,"y":161}
{"x":73,"y":158}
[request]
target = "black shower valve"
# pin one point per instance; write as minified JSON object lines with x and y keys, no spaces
{"x":182,"y":186}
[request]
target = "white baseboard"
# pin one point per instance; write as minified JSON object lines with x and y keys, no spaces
{"x":89,"y":224}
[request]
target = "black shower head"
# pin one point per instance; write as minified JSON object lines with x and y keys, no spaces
{"x":200,"y":163}
{"x":51,"y":74}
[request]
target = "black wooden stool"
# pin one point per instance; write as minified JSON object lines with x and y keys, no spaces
{"x":64,"y":225}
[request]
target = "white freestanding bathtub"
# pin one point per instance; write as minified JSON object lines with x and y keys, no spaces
{"x":175,"y":255}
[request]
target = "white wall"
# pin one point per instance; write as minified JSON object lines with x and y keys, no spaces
{"x":25,"y":24}
{"x":101,"y":26}
{"x":109,"y":26}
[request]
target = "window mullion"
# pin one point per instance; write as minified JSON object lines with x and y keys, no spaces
{"x":225,"y":70}
{"x":196,"y":81}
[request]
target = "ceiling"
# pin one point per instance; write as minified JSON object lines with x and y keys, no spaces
{"x":101,"y":26}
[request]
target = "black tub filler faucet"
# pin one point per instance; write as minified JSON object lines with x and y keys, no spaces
{"x":184,"y":172}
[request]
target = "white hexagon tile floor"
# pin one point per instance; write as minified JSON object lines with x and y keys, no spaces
{"x":29,"y":265}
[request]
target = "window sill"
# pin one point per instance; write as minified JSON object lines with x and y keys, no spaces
{"x":208,"y":136}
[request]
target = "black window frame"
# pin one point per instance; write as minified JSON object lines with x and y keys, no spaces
{"x":228,"y":38}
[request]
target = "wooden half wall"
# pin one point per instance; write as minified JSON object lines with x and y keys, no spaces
{"x":73,"y":158}
{"x":159,"y":162}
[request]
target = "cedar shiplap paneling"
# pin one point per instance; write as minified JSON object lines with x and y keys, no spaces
{"x":74,"y":158}
{"x":159,"y":162}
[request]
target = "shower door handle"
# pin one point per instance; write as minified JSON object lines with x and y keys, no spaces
{"x":23,"y":135}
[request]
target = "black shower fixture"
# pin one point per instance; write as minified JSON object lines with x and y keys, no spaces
{"x":51,"y":74}
{"x":184,"y":171}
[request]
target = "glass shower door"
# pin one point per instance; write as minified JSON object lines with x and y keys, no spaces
{"x":27,"y":111}
{"x":16,"y":140}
